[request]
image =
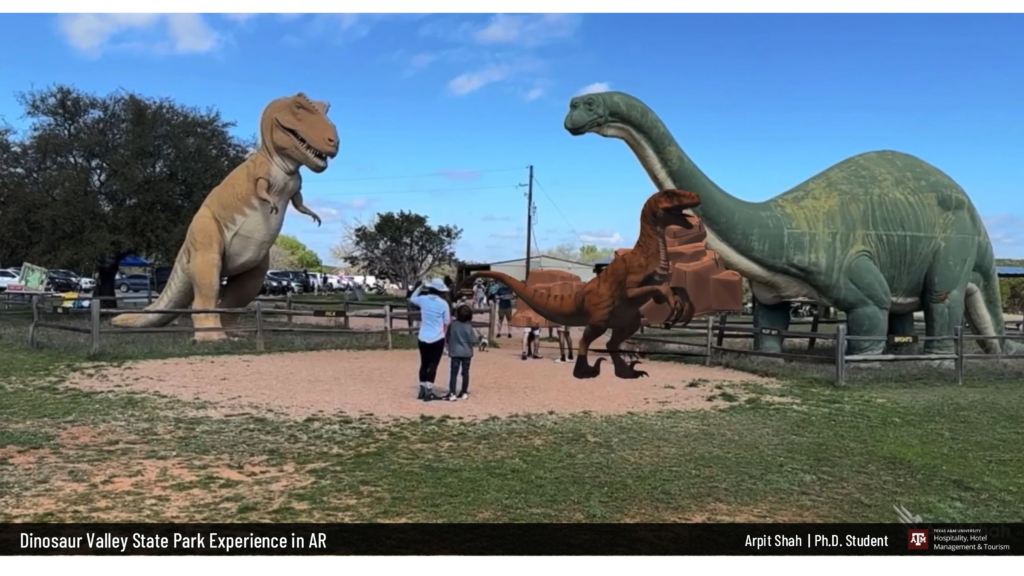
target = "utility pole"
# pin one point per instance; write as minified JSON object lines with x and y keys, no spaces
{"x":530,"y":208}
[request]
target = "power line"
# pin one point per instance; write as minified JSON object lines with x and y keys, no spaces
{"x":546,"y":195}
{"x":427,"y":191}
{"x":439,"y":174}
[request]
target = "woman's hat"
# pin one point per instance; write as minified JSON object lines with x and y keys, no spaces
{"x":436,"y":284}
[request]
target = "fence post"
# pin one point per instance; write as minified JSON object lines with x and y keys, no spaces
{"x":840,"y":354}
{"x":387,"y":323}
{"x":492,"y":316}
{"x":344,"y":301}
{"x":94,"y":313}
{"x":722,"y":320}
{"x":260,"y":345}
{"x":814,"y":326}
{"x":959,"y":333}
{"x":35,"y":320}
{"x":288,"y":305}
{"x":711,"y":331}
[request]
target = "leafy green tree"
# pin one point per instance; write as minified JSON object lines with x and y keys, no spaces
{"x":564,"y":251}
{"x":590,"y":253}
{"x":1011,"y":291}
{"x":298,"y":254}
{"x":401,"y":247}
{"x":102,"y":177}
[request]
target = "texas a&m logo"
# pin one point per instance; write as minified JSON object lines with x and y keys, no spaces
{"x":918,"y":539}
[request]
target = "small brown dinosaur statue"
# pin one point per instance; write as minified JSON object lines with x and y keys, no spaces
{"x":232,"y":232}
{"x":613,"y":298}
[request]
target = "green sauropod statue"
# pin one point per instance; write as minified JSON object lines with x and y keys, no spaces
{"x":879,"y":236}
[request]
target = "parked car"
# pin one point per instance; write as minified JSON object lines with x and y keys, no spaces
{"x":332,"y":283}
{"x":6,"y":278}
{"x":83,"y":283}
{"x":133,"y":282}
{"x":158,"y":280}
{"x":62,"y":281}
{"x":296,"y":280}
{"x":274,"y":286}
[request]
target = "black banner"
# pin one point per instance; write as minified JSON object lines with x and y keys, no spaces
{"x":511,"y":539}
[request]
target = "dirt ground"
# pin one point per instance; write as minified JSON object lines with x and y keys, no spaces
{"x":384,"y":384}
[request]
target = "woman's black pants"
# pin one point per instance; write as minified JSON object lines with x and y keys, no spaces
{"x":430,"y":358}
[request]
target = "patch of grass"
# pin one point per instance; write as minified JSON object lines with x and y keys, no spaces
{"x":56,"y":347}
{"x":801,"y":450}
{"x":727,"y":396}
{"x":24,"y":438}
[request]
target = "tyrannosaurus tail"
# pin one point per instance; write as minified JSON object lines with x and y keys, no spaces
{"x":176,"y":294}
{"x":562,"y":309}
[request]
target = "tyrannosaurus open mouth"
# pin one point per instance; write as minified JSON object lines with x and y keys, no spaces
{"x":317,"y":157}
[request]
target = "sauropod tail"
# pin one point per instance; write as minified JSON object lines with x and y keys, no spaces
{"x":176,"y":294}
{"x":985,"y":313}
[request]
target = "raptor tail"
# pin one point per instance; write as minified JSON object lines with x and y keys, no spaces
{"x":176,"y":294}
{"x":561,"y":309}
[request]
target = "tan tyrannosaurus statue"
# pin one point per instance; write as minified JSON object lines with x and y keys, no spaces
{"x":232,"y":232}
{"x":614,"y":297}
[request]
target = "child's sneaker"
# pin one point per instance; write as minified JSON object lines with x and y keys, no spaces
{"x":464,"y":396}
{"x":560,"y":360}
{"x":524,"y":355}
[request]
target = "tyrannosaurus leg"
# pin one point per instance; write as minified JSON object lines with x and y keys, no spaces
{"x":241,"y":289}
{"x":583,"y":369}
{"x":619,"y":335}
{"x":206,"y":245}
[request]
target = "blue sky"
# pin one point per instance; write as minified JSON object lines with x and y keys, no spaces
{"x":465,"y":102}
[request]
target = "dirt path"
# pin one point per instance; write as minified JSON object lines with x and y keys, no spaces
{"x":384,"y":384}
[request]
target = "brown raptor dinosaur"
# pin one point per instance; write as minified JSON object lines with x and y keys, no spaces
{"x":232,"y":232}
{"x":613,"y":298}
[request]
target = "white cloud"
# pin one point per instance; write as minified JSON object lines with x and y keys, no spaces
{"x":357,"y":204}
{"x":422,"y":60}
{"x":507,"y":235}
{"x":1006,"y":232}
{"x":190,"y":33}
{"x":602,"y":238}
{"x":527,"y":30}
{"x":240,"y":17}
{"x":92,"y":34}
{"x":472,"y":81}
{"x":534,"y":94}
{"x":595,"y":88}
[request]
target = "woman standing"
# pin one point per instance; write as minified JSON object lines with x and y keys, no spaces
{"x":435,"y":316}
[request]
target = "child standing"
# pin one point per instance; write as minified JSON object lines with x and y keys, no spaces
{"x":531,"y":343}
{"x":462,"y":338}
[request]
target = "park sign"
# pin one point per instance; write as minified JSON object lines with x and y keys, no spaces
{"x":33,"y":278}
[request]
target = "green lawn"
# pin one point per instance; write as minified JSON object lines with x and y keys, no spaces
{"x":802,"y":451}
